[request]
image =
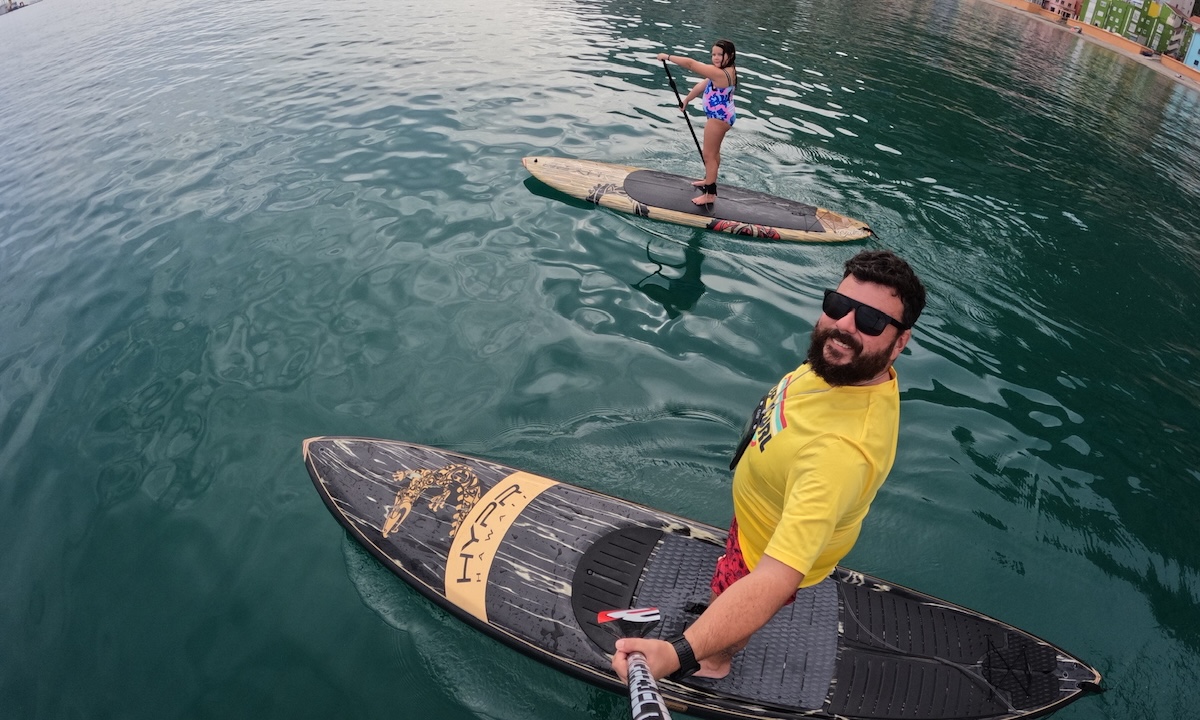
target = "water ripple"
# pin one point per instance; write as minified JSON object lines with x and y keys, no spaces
{"x":226,"y":228}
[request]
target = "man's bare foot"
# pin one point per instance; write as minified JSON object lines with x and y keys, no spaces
{"x":713,"y":669}
{"x":699,"y":183}
{"x":705,"y":199}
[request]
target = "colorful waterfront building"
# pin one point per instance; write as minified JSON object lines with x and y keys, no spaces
{"x":1067,"y":9}
{"x":1159,"y":26}
{"x":1191,"y":46}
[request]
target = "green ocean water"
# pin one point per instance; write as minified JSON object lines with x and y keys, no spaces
{"x":226,"y":228}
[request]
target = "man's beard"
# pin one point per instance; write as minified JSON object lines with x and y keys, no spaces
{"x":862,"y":368}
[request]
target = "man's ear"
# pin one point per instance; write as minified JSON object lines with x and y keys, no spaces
{"x":901,"y":341}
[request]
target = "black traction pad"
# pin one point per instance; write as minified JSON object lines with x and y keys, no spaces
{"x":674,"y":192}
{"x":606,"y":577}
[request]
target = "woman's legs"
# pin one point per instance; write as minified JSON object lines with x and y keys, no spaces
{"x":714,"y":134}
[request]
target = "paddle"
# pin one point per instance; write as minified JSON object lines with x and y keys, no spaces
{"x":645,"y":701}
{"x":679,"y":101}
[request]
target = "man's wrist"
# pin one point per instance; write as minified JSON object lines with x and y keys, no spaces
{"x":687,"y":658}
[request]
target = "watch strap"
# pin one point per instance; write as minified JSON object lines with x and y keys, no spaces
{"x":687,"y":659}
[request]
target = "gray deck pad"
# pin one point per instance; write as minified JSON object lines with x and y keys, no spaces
{"x":674,"y":192}
{"x":788,"y":663}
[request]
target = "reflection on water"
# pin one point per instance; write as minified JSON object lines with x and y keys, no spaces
{"x":679,"y":293}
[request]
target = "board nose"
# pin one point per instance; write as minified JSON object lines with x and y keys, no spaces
{"x":310,"y":441}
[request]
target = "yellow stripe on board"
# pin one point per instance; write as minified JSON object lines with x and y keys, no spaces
{"x":474,"y":545}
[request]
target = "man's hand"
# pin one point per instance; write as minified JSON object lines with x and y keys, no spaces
{"x":660,"y":656}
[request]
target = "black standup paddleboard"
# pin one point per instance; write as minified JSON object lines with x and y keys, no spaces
{"x":531,"y":561}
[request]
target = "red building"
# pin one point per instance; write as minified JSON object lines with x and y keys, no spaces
{"x":1064,"y":8}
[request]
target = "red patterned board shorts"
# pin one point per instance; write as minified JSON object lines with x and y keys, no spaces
{"x":731,"y":566}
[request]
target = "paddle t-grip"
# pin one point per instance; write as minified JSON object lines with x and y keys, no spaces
{"x":645,"y":700}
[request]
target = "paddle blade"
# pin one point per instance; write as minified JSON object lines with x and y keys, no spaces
{"x":634,"y":622}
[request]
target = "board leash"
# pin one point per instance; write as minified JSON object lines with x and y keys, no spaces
{"x":645,"y":700}
{"x":679,"y":101}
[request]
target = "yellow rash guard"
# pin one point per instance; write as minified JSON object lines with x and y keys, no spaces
{"x":815,"y":461}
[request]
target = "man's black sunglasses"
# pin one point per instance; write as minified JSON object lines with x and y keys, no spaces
{"x":867,"y":319}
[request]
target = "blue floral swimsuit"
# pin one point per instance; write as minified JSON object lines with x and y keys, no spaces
{"x":718,"y":102}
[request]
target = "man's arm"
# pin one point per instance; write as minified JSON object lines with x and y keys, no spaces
{"x":728,"y":622}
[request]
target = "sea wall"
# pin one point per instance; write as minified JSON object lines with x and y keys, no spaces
{"x":1183,"y":69}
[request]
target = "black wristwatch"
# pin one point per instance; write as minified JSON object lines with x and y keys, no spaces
{"x":687,"y":659}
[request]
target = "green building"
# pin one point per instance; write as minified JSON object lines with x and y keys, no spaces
{"x":1158,"y":26}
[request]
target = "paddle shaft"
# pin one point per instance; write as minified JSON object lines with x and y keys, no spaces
{"x":645,"y":700}
{"x":679,"y":100}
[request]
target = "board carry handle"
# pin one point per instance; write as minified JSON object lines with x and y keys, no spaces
{"x":679,"y":102}
{"x":645,"y":700}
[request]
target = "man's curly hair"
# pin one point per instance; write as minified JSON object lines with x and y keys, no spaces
{"x":884,"y":267}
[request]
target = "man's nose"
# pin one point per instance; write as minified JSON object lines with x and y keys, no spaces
{"x":846,"y":323}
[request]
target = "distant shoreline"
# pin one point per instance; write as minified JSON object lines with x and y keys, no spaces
{"x":1181,"y":74}
{"x":6,"y":7}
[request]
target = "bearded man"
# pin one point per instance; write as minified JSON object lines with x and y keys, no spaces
{"x":819,"y":446}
